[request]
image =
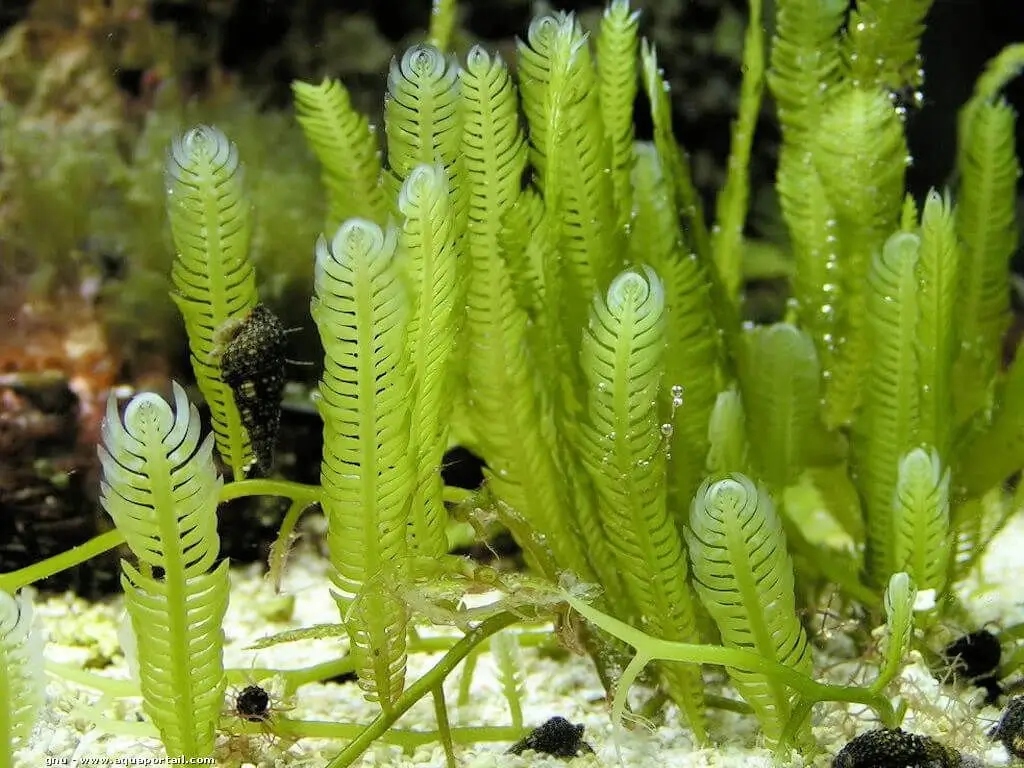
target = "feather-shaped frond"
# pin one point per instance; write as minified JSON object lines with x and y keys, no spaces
{"x":692,"y":355}
{"x":542,"y":66}
{"x":888,"y":426}
{"x":493,"y":146}
{"x":975,"y":523}
{"x":744,"y":577}
{"x":161,"y":488}
{"x":508,"y":658}
{"x":523,"y":469}
{"x":805,"y":63}
{"x":22,"y":682}
{"x":814,"y":234}
{"x":731,"y":204}
{"x":937,"y":329}
{"x":995,"y":453}
{"x":361,"y":309}
{"x":986,"y":223}
{"x":805,"y":71}
{"x":727,"y":435}
{"x":429,"y":249}
{"x":1001,"y":69}
{"x":860,"y":156}
{"x":839,"y":497}
{"x":908,"y":214}
{"x":623,"y":450}
{"x":569,"y":151}
{"x":584,"y":202}
{"x":655,"y":232}
{"x":781,"y":400}
{"x":921,"y":525}
{"x":880,"y":47}
{"x":377,"y":622}
{"x":693,"y":372}
{"x":422,"y":119}
{"x":346,"y":146}
{"x":675,"y":160}
{"x":494,"y":156}
{"x":214,"y":281}
{"x":617,"y":78}
{"x":623,"y":361}
{"x":900,"y":596}
{"x":529,"y":246}
{"x":159,"y":483}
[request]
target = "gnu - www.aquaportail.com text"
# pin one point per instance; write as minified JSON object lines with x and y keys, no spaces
{"x":81,"y":761}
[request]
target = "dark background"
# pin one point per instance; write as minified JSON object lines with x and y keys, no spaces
{"x":257,"y":40}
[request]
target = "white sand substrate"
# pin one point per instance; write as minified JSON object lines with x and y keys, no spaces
{"x":81,"y":634}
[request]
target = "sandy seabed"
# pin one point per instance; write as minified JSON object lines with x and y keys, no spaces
{"x":78,"y":632}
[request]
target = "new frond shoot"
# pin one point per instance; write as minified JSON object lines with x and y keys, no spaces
{"x":214,"y":281}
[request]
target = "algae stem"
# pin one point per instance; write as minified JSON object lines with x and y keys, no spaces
{"x":317,"y":673}
{"x":650,"y":648}
{"x":466,"y":681}
{"x":279,"y":549}
{"x":108,"y":686}
{"x":454,"y":495}
{"x":529,"y":639}
{"x":422,"y":687}
{"x":443,"y":726}
{"x":298,"y":492}
{"x":15,"y":580}
{"x":12,"y":581}
{"x":301,"y":493}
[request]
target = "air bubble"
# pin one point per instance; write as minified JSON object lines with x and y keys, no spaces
{"x":677,"y":395}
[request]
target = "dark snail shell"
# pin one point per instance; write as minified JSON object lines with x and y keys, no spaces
{"x":896,"y":748}
{"x":252,"y":365}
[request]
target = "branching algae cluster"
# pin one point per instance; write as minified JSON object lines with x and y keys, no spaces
{"x":546,"y":292}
